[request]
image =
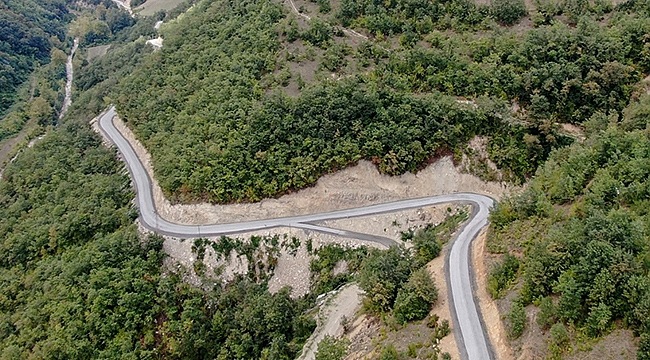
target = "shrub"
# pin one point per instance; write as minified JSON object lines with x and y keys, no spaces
{"x":381,"y":275}
{"x":598,"y":320}
{"x":389,"y":352}
{"x":426,"y":245}
{"x":644,"y":347}
{"x":414,"y":300}
{"x":332,"y":349}
{"x":517,"y":320}
{"x":547,"y":313}
{"x":559,"y":341}
{"x":502,"y":275}
{"x":508,"y":12}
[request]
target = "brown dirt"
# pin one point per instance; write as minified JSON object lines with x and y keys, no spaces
{"x":96,"y":52}
{"x":363,"y":330}
{"x":491,"y":316}
{"x":150,"y":7}
{"x":619,"y":345}
{"x":573,"y":130}
{"x":436,"y":268}
{"x":393,"y":224}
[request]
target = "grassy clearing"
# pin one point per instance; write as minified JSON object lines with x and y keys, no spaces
{"x":151,"y":7}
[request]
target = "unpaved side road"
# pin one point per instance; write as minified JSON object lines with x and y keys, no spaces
{"x":344,"y":304}
{"x":69,"y":70}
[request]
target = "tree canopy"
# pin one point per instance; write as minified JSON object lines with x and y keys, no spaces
{"x":588,"y":245}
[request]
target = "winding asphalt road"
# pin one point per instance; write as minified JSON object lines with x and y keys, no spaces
{"x":470,"y":332}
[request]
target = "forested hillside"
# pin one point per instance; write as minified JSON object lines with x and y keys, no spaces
{"x":216,"y":134}
{"x":28,"y":30}
{"x":582,"y":233}
{"x":212,"y":110}
{"x":79,"y":282}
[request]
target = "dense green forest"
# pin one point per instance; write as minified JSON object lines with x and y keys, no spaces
{"x":29,"y":30}
{"x":78,"y":281}
{"x":582,"y":228}
{"x":35,"y":38}
{"x":211,"y":109}
{"x":215,"y":134}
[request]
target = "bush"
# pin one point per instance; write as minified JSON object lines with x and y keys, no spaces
{"x":598,"y":320}
{"x":517,"y":320}
{"x":547,"y":313}
{"x":508,"y":12}
{"x":426,"y":245}
{"x":389,"y":352}
{"x":559,"y":335}
{"x":381,"y":275}
{"x":415,"y":299}
{"x":559,"y":341}
{"x":644,"y":347}
{"x":502,"y":275}
{"x":318,"y":34}
{"x":332,"y":349}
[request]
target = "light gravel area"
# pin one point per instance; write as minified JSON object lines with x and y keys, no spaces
{"x":292,"y":269}
{"x":150,"y":7}
{"x":95,"y":52}
{"x":392,"y":225}
{"x":344,"y":304}
{"x":157,"y":43}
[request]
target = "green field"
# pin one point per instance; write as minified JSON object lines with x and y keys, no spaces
{"x":152,"y":6}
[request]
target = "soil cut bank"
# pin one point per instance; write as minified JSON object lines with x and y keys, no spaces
{"x":354,"y":186}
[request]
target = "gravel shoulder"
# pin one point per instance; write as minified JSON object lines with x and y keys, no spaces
{"x":491,"y":315}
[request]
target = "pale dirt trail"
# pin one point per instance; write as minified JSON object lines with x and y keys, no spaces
{"x":348,"y":32}
{"x":345,"y":303}
{"x":124,"y":4}
{"x":10,"y":144}
{"x":69,"y":70}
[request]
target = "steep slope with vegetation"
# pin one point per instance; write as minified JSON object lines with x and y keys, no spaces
{"x":581,"y":232}
{"x":211,"y":108}
{"x":28,"y":31}
{"x":36,"y":104}
{"x":79,"y":282}
{"x":77,"y":279}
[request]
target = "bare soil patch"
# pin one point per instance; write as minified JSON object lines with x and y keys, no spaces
{"x":391,"y":225}
{"x":342,"y":305}
{"x":619,"y":345}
